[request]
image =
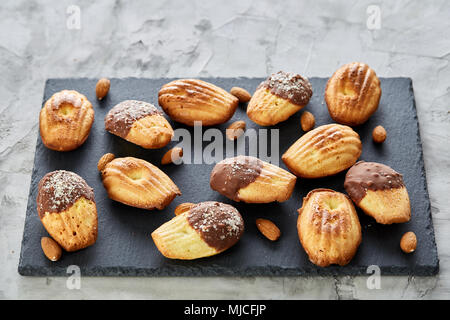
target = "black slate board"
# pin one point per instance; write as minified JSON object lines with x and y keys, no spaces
{"x":125,"y":248}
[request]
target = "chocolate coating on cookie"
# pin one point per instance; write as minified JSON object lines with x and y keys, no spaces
{"x":220,"y":225}
{"x":290,"y":86}
{"x":120,"y":119}
{"x":232,"y":174}
{"x":59,"y":190}
{"x":374,"y":176}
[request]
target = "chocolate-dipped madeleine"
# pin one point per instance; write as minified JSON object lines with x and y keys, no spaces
{"x":278,"y":97}
{"x":139,"y":122}
{"x":379,"y":191}
{"x":66,"y":207}
{"x":205,"y":229}
{"x":248,"y":179}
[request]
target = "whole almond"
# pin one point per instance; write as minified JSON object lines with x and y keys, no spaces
{"x":181,"y":208}
{"x":172,"y":156}
{"x":51,"y":248}
{"x":268,"y":229}
{"x":102,"y":88}
{"x":307,"y":121}
{"x":379,"y":134}
{"x":235,"y":130}
{"x":242,"y":94}
{"x":408,"y":243}
{"x":104,"y":160}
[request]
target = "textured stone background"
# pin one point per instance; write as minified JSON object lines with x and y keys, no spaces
{"x":217,"y":38}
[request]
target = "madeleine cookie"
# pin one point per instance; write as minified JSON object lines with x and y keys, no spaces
{"x":379,"y":191}
{"x":279,"y":97}
{"x":66,"y":120}
{"x":328,"y":227}
{"x":251,"y":180}
{"x":139,"y":122}
{"x":191,"y":100}
{"x":204,"y":230}
{"x":324,"y":151}
{"x":352,"y":94}
{"x":137,"y":183}
{"x":66,"y":207}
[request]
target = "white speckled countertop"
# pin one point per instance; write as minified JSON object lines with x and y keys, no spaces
{"x":41,"y":39}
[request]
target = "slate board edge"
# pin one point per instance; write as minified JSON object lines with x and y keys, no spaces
{"x":29,"y":204}
{"x":424,"y":173}
{"x":216,"y":271}
{"x":131,"y":271}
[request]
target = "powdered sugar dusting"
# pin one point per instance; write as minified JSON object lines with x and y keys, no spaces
{"x":244,"y":165}
{"x":120,"y":118}
{"x":290,"y":86}
{"x":68,"y":97}
{"x":60,"y":189}
{"x":219,"y":224}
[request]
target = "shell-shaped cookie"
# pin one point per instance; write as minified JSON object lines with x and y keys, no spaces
{"x":324,"y":151}
{"x":139,"y":122}
{"x":66,"y":207}
{"x":328,"y":227}
{"x":206,"y":229}
{"x":278,"y":97}
{"x":379,"y":191}
{"x":138,"y":183}
{"x":191,"y":100}
{"x":248,"y":179}
{"x":352,"y":94}
{"x":66,"y":120}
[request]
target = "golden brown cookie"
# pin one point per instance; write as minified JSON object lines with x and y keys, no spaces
{"x":66,"y":207}
{"x":279,"y":97}
{"x":328,"y":227}
{"x":139,"y":122}
{"x":324,"y":151}
{"x":248,"y":179}
{"x":379,"y":191}
{"x":138,"y":183}
{"x":190,"y":100}
{"x":204,"y":230}
{"x":352,"y":94}
{"x":66,"y":120}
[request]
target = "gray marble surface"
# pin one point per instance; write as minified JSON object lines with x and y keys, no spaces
{"x":217,"y":38}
